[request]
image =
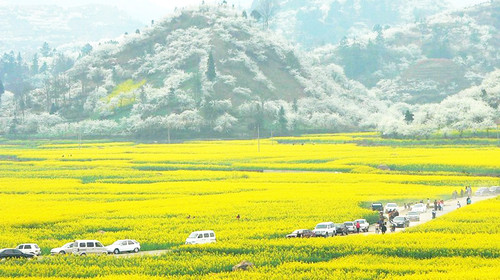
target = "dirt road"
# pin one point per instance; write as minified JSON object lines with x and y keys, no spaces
{"x":449,"y":206}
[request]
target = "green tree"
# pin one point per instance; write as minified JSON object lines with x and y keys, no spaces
{"x":34,"y":66}
{"x":2,"y":88}
{"x":282,"y":119}
{"x":211,"y":74}
{"x":45,"y":50}
{"x":87,"y":49}
{"x":409,"y":117}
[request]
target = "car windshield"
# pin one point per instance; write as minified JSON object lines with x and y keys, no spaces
{"x":413,"y":213}
{"x":392,"y":205}
{"x":68,"y":245}
{"x":321,"y":226}
{"x":399,"y":219}
{"x":348,"y":223}
{"x":360,"y":221}
{"x":118,"y":242}
{"x":193,"y":235}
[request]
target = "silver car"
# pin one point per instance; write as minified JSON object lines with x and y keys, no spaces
{"x":67,"y":248}
{"x":413,"y":216}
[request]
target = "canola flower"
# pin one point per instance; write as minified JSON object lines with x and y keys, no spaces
{"x":56,"y":193}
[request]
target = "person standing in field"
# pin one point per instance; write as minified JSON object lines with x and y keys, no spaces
{"x":358,"y":226}
{"x":384,"y":228}
{"x":238,"y":217}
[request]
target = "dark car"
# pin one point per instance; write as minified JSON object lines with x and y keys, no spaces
{"x":341,"y":229}
{"x":377,"y":206}
{"x":14,"y":253}
{"x":305,"y":233}
{"x":401,"y":222}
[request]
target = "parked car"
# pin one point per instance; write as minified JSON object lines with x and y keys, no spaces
{"x":483,"y":192}
{"x":67,"y":248}
{"x":341,"y":229}
{"x":121,"y":246}
{"x":413,"y":216}
{"x":401,"y":222}
{"x":88,"y":247}
{"x":30,"y":248}
{"x":364,"y":225}
{"x":351,"y":226}
{"x":201,"y":237}
{"x":325,"y":229}
{"x":14,"y":253}
{"x":389,"y":207}
{"x":419,"y":207}
{"x":377,"y":206}
{"x":494,"y":189}
{"x":304,"y":233}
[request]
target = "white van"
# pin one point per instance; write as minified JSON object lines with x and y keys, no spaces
{"x":87,"y":247}
{"x":201,"y":237}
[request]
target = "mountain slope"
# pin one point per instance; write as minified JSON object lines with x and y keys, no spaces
{"x":210,"y":72}
{"x":314,"y":23}
{"x":426,"y":61}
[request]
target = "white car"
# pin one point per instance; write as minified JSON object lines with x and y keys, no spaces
{"x":389,"y":207}
{"x":67,"y":248}
{"x":325,"y":229}
{"x":351,"y":226}
{"x":201,"y":237}
{"x":419,"y":207}
{"x":363,"y":225}
{"x":30,"y":248}
{"x":121,"y":246}
{"x":483,"y":192}
{"x":494,"y":189}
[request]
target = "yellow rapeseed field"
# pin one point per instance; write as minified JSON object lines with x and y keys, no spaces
{"x":52,"y":193}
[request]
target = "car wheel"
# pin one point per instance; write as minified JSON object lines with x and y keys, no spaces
{"x":136,"y":250}
{"x":116,"y":251}
{"x":83,"y":254}
{"x":62,"y":253}
{"x":327,"y":235}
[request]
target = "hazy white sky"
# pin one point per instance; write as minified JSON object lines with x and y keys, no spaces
{"x":146,"y":10}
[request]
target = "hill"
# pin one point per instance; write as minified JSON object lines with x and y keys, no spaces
{"x":209,"y":72}
{"x":425,"y":61}
{"x":313,"y":23}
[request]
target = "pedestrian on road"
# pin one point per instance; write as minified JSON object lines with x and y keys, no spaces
{"x":358,"y":226}
{"x":469,"y":201}
{"x":458,"y":204}
{"x":384,"y":228}
{"x":435,"y":205}
{"x":461,"y":193}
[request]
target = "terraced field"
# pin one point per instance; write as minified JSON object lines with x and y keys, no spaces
{"x":55,"y":192}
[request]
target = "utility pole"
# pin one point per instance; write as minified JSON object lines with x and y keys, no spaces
{"x":258,"y":138}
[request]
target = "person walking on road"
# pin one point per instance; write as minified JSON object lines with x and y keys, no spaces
{"x":469,"y":201}
{"x":358,"y":226}
{"x":384,"y":228}
{"x":458,"y":205}
{"x":461,"y":193}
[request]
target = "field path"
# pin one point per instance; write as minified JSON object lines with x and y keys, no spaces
{"x":449,"y":206}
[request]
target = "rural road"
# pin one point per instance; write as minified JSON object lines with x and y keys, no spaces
{"x":449,"y":206}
